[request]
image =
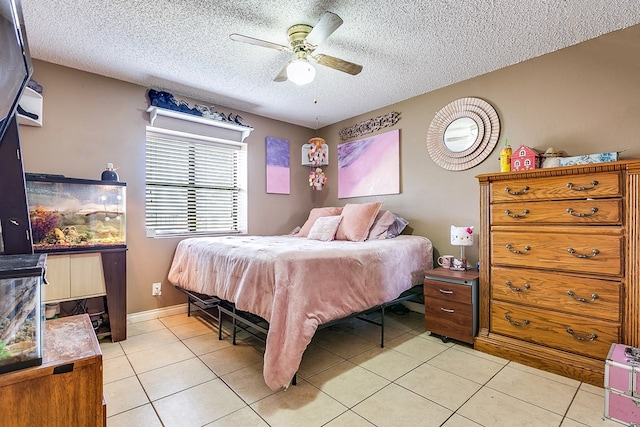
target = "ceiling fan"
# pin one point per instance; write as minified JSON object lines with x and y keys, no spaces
{"x":304,"y":39}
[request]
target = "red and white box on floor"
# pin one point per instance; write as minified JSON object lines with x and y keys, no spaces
{"x":622,"y":385}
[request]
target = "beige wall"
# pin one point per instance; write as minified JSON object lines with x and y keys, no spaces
{"x":90,"y":120}
{"x":584,"y":99}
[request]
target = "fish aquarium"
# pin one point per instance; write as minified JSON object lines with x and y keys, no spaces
{"x":21,"y":320}
{"x":70,"y":214}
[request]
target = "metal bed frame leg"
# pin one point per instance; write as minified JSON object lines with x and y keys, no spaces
{"x":219,"y":324}
{"x":382,"y":328}
{"x":233,"y":340}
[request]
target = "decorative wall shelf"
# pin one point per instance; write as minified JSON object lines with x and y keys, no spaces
{"x":154,"y":112}
{"x":30,"y":101}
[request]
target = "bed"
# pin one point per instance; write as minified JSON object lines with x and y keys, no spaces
{"x":297,"y":284}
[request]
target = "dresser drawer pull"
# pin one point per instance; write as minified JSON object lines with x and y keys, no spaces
{"x":572,"y":295}
{"x":517,"y":193}
{"x":574,"y":213}
{"x":446,"y":292}
{"x":522,"y":324}
{"x":593,"y":185}
{"x":525,"y":212}
{"x":447,"y":310}
{"x":514,"y":288}
{"x":589,"y":337}
{"x":572,"y":251}
{"x":517,"y":251}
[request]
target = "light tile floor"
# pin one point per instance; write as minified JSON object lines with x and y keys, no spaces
{"x":174,"y":371}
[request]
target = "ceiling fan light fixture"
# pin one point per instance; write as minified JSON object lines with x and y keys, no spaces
{"x":300,"y":71}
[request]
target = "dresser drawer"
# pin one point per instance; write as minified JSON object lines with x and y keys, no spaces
{"x":449,"y":318}
{"x":557,"y":188}
{"x":447,"y":291}
{"x":593,"y":250}
{"x":597,"y":211}
{"x":576,"y":334}
{"x":555,"y":291}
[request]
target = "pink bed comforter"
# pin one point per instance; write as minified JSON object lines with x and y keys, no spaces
{"x":297,"y":284}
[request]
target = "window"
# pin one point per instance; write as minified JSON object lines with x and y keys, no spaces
{"x":194,"y":184}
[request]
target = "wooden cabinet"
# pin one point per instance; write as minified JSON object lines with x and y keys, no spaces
{"x":451,"y":303}
{"x":74,"y":276}
{"x":66,"y":390}
{"x":80,"y":275}
{"x":559,"y":277}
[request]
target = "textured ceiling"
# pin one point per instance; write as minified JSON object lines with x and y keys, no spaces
{"x":406,"y":47}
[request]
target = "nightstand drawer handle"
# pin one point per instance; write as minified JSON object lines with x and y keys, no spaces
{"x":443,"y":291}
{"x":517,"y":251}
{"x":525,"y":212}
{"x":522,"y":324}
{"x":570,"y":211}
{"x":514,"y":288}
{"x":593,"y":185}
{"x":589,"y":337}
{"x":572,"y":295}
{"x":517,"y":193}
{"x":572,"y":251}
{"x":447,"y":310}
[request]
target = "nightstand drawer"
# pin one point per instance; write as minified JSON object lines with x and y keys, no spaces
{"x":447,"y":291}
{"x":449,"y":318}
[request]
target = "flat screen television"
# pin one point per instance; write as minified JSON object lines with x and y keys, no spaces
{"x":15,"y":71}
{"x":15,"y":61}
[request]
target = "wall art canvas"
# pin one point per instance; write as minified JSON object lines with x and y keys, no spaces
{"x":369,"y":166}
{"x":278,"y":172}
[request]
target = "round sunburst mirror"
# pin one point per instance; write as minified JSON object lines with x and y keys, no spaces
{"x":463,"y":133}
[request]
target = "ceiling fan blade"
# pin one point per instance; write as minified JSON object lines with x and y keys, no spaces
{"x":324,"y":28}
{"x":258,"y":42}
{"x":282,"y":75}
{"x":338,"y":64}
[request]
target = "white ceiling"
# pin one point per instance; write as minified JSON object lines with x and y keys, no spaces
{"x":406,"y":47}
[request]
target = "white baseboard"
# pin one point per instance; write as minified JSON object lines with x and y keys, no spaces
{"x":143,"y":316}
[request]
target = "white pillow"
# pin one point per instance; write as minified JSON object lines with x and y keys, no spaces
{"x":325,"y":228}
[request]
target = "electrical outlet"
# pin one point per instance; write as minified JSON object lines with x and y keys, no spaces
{"x":156,"y":289}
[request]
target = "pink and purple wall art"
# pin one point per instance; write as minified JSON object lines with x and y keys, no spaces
{"x":278,"y":180}
{"x":369,"y":166}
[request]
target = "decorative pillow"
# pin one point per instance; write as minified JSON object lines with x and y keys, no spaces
{"x":396,"y":228}
{"x":357,"y":220}
{"x":383,"y":221}
{"x":314,"y":214}
{"x":325,"y":228}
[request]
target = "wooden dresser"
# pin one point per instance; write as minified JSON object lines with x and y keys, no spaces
{"x":66,"y":390}
{"x":559,"y":266}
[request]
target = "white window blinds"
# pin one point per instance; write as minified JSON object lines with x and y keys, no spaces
{"x":194,"y":184}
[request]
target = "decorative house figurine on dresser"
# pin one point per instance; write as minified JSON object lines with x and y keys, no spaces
{"x":525,"y":158}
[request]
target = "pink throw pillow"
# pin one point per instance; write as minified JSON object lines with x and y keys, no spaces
{"x":314,"y":214}
{"x":357,"y":220}
{"x":383,"y":221}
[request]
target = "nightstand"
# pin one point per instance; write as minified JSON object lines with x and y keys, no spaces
{"x":451,"y":303}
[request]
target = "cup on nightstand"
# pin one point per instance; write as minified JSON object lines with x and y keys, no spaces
{"x":445,"y":261}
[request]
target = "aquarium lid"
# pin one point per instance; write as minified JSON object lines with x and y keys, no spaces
{"x":43,"y":177}
{"x":25,"y":265}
